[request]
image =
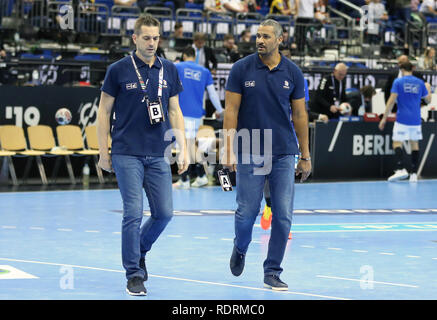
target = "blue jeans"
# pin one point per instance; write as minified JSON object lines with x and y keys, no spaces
{"x":250,"y":188}
{"x":133,"y":174}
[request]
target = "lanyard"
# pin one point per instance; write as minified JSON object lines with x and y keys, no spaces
{"x":144,"y":85}
{"x":335,"y":92}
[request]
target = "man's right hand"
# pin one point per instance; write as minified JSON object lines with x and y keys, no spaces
{"x":333,"y":109}
{"x":105,"y":163}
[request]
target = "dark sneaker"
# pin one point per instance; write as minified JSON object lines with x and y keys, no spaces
{"x":237,"y":262}
{"x":143,"y":266}
{"x":135,"y":287}
{"x":273,"y":282}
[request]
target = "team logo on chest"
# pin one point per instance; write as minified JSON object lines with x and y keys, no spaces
{"x":130,"y":86}
{"x":286,"y":85}
{"x":249,"y":84}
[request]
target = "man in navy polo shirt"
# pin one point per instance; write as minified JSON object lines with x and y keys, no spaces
{"x":264,"y":92}
{"x":141,"y":90}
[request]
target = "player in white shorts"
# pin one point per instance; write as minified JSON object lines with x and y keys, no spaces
{"x":407,"y":91}
{"x":195,"y":79}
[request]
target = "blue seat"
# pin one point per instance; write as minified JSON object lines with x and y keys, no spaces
{"x":45,"y":55}
{"x":189,"y":5}
{"x":88,"y":57}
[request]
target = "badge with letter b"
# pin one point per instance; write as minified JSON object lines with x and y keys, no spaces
{"x":224,"y":179}
{"x":156,"y":114}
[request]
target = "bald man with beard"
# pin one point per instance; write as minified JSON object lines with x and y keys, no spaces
{"x":331,"y":93}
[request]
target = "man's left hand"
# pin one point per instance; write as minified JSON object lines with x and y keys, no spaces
{"x":304,"y":169}
{"x":183,"y":161}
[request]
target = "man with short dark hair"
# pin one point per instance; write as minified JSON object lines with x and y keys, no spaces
{"x":230,"y":48}
{"x":408,"y":92}
{"x":265,"y":101}
{"x":140,"y":94}
{"x":361,"y":100}
{"x":204,"y":54}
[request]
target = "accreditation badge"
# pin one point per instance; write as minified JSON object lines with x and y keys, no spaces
{"x":156,"y":114}
{"x":224,"y":179}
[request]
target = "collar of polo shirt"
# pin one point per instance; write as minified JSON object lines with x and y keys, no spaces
{"x":140,"y":63}
{"x":260,"y":64}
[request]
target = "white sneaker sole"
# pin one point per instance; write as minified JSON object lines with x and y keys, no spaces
{"x":275,"y":288}
{"x":142,"y":293}
{"x":398,"y":178}
{"x":199,"y":185}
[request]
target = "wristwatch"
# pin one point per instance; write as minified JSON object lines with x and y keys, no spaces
{"x":305,"y":159}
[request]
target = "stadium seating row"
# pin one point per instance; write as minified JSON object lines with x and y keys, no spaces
{"x":42,"y":144}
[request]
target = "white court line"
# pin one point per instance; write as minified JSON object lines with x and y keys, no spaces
{"x":361,"y":223}
{"x":425,"y":154}
{"x":378,"y":282}
{"x":335,"y":136}
{"x":9,"y":227}
{"x":387,"y":253}
{"x":181,"y":279}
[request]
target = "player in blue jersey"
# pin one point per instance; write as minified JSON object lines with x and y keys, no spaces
{"x":407,"y":91}
{"x":195,"y":80}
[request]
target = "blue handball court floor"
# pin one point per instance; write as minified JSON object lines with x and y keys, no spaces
{"x":350,"y":241}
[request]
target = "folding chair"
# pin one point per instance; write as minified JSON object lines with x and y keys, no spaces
{"x":70,"y":136}
{"x":220,"y":23}
{"x":13,"y":140}
{"x":8,"y":155}
{"x":92,"y":141}
{"x":41,"y":138}
{"x":91,"y":138}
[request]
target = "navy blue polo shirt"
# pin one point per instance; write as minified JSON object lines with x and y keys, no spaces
{"x":131,"y":131}
{"x":266,"y":101}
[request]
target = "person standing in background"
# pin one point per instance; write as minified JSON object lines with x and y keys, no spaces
{"x":195,"y":80}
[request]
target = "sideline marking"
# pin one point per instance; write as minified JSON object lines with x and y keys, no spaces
{"x":181,"y":279}
{"x":378,"y":282}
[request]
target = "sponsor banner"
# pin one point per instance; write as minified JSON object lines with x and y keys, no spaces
{"x":359,"y":150}
{"x":65,"y":72}
{"x":27,"y":106}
